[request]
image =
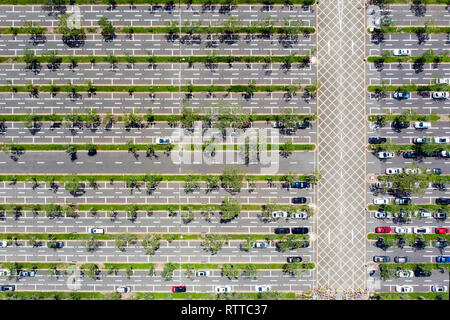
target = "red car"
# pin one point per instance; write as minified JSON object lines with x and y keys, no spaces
{"x":441,"y":230}
{"x":383,"y":229}
{"x":179,"y":289}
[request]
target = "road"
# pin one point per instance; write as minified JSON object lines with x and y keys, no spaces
{"x":162,"y":103}
{"x":167,"y":74}
{"x":144,"y":15}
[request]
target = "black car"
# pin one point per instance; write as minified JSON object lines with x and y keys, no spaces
{"x":377,"y":140}
{"x":421,"y":273}
{"x":402,"y":201}
{"x":56,"y":244}
{"x":302,"y":125}
{"x":7,"y":288}
{"x":301,"y":230}
{"x":294,"y":259}
{"x":299,"y":200}
{"x":441,"y":244}
{"x":427,"y":154}
{"x":381,"y":245}
{"x":400,"y":124}
{"x":282,"y":230}
{"x":410,"y":154}
{"x":443,"y":201}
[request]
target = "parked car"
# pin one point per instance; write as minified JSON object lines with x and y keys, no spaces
{"x":422,"y":125}
{"x":302,"y":125}
{"x":404,"y":289}
{"x":3,"y":244}
{"x":411,"y":154}
{"x":413,"y":171}
{"x":5,"y":273}
{"x":7,"y":287}
{"x":443,"y":154}
{"x":441,"y":244}
{"x":260,"y":245}
{"x":299,"y":200}
{"x":399,"y":125}
{"x":278,"y":124}
{"x":441,"y":230}
{"x":282,"y":230}
{"x":380,"y":201}
{"x":279,"y":214}
{"x":442,"y":81}
{"x":123,"y":289}
{"x":401,"y":52}
{"x":422,"y":230}
{"x":96,"y":230}
{"x":385,"y":155}
{"x":404,"y":273}
{"x":442,"y":259}
{"x":300,"y":230}
{"x":202,"y":273}
{"x":163,"y":140}
{"x":440,"y":95}
{"x":383,"y":229}
{"x":400,"y":95}
{"x":394,"y":170}
{"x":420,"y":273}
{"x":300,"y":215}
{"x":25,"y":273}
{"x":401,"y":259}
{"x":382,"y":21}
{"x":377,"y":140}
{"x":402,"y":230}
{"x":439,"y":288}
{"x":443,"y":201}
{"x":441,"y":140}
{"x":423,"y":214}
{"x":402,"y":201}
{"x":222,"y":289}
{"x":436,"y":171}
{"x":440,"y":215}
{"x":383,"y":184}
{"x":300,"y":185}
{"x":179,"y":289}
{"x":294,"y":259}
{"x":421,"y":140}
{"x":382,"y":215}
{"x":381,"y":259}
{"x":262,"y":288}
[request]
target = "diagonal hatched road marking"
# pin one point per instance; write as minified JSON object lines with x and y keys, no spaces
{"x":341,"y":139}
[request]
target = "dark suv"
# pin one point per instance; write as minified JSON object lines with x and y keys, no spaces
{"x":294,"y":259}
{"x":299,"y":200}
{"x":443,"y":201}
{"x":302,"y":230}
{"x":281,"y":230}
{"x":377,"y":140}
{"x":420,"y":273}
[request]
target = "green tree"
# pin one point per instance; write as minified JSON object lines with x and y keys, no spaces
{"x":250,"y":271}
{"x":232,"y":177}
{"x":167,"y":272}
{"x":230,"y":208}
{"x":151,"y":243}
{"x":230,"y":271}
{"x":212,"y":243}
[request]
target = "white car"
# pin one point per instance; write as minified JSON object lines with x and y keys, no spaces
{"x":163,"y":141}
{"x":413,"y":171}
{"x":202,"y":273}
{"x":401,"y":52}
{"x":443,"y":81}
{"x":123,"y":289}
{"x":299,"y":215}
{"x":279,"y":214}
{"x":394,"y":170}
{"x":380,"y":201}
{"x":3,"y":244}
{"x":96,"y":230}
{"x":5,"y":273}
{"x":385,"y":155}
{"x":383,"y":184}
{"x":440,"y":95}
{"x":422,"y":230}
{"x":403,"y":289}
{"x":441,"y":140}
{"x":422,"y":214}
{"x":262,"y":288}
{"x":382,"y":215}
{"x":402,"y":230}
{"x":422,"y":125}
{"x":421,"y":140}
{"x":260,"y":245}
{"x":223,"y":289}
{"x":277,"y":124}
{"x":404,"y":273}
{"x":439,"y":288}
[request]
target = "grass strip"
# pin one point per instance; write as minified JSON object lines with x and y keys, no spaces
{"x":163,"y":59}
{"x":127,"y":88}
{"x":408,"y":59}
{"x":413,"y":207}
{"x":411,"y":117}
{"x":407,"y":147}
{"x":167,"y":237}
{"x":413,"y":266}
{"x":144,"y":147}
{"x":164,"y":2}
{"x":415,"y":29}
{"x":410,"y":296}
{"x":427,"y":237}
{"x":122,"y":177}
{"x":407,"y":87}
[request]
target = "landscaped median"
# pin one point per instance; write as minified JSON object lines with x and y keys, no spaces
{"x":409,"y":208}
{"x":410,"y":59}
{"x":431,"y":148}
{"x":411,"y":237}
{"x":429,"y":29}
{"x":408,"y":88}
{"x":410,"y":296}
{"x":409,"y":116}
